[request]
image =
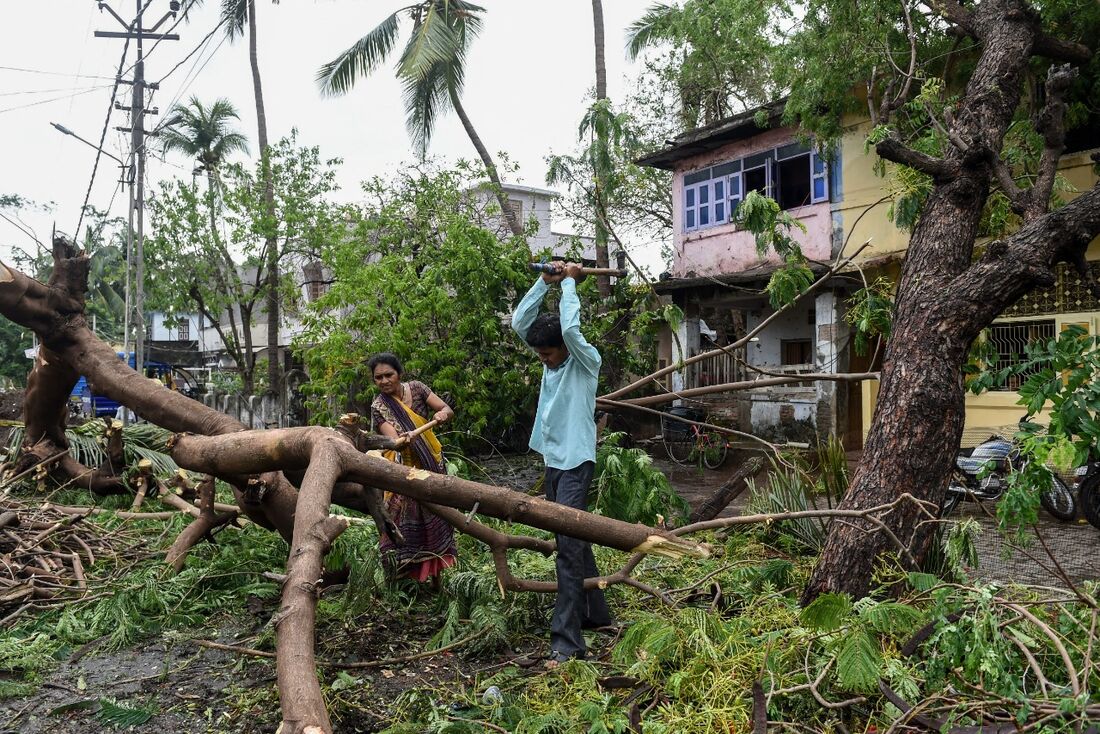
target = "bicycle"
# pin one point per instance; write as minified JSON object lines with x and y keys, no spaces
{"x":686,"y":443}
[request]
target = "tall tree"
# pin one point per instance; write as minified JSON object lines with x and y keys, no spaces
{"x":235,"y":16}
{"x":432,"y":69}
{"x":972,"y":102}
{"x":193,"y":270}
{"x":205,"y":134}
{"x":602,"y":143}
{"x":716,"y":54}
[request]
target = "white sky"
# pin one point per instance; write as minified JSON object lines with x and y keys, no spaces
{"x":526,"y":83}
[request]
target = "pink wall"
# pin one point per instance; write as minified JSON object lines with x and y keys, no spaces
{"x":724,"y":248}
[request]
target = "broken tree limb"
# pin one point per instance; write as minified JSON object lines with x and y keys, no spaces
{"x":728,"y":492}
{"x":250,"y":452}
{"x":208,"y":519}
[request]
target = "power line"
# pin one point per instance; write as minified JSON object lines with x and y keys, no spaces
{"x":192,"y":75}
{"x":194,"y":50}
{"x":55,"y":89}
{"x":54,"y":73}
{"x":102,"y":136}
{"x":52,"y":99}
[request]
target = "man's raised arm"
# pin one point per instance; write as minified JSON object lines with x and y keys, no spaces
{"x":569,"y":311}
{"x":528,"y":308}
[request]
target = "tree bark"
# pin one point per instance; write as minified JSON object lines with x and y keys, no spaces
{"x":603,"y":282}
{"x":253,"y":462}
{"x":271,"y":242}
{"x":490,"y":167}
{"x":728,"y":492}
{"x":943,"y":302}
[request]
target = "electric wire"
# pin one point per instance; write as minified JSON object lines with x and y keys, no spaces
{"x":55,"y":73}
{"x":192,"y":75}
{"x":103,"y":136}
{"x":53,"y":99}
{"x":193,"y":51}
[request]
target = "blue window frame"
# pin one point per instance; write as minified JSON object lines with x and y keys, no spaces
{"x":795,"y":174}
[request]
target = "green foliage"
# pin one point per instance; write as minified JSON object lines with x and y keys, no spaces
{"x":826,"y":612}
{"x":628,"y":487}
{"x":771,"y":227}
{"x":712,"y":52}
{"x":88,"y":442}
{"x":422,"y":276}
{"x":1060,"y":379}
{"x":121,"y":717}
{"x":870,"y":313}
{"x":209,"y":253}
{"x":796,"y":486}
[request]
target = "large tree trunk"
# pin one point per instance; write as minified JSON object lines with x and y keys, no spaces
{"x":944,"y":300}
{"x":271,"y":242}
{"x":510,"y":218}
{"x":331,"y":463}
{"x":603,"y":282}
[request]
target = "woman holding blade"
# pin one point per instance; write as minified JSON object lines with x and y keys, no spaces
{"x":400,"y":411}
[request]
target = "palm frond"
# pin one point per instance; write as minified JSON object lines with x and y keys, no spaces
{"x":235,"y":16}
{"x":433,"y":41}
{"x":650,"y":29}
{"x":367,"y":54}
{"x":424,"y":100}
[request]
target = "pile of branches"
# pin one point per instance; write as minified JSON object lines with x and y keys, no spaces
{"x":44,"y":552}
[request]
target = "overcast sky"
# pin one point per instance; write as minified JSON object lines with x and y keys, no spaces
{"x":526,"y":84}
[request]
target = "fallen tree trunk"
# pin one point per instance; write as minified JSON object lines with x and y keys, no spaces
{"x":330,"y":463}
{"x":728,"y":492}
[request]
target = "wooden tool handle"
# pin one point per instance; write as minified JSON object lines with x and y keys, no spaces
{"x":549,"y":268}
{"x":423,"y":429}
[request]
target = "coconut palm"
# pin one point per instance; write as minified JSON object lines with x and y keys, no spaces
{"x":235,"y":16}
{"x":203,"y":132}
{"x":431,"y":68}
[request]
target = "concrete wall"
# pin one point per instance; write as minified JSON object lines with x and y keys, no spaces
{"x":724,"y":248}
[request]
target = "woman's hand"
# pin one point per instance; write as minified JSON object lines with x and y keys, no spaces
{"x":401,"y":441}
{"x":442,"y":416}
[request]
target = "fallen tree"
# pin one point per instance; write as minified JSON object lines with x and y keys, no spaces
{"x":284,"y":480}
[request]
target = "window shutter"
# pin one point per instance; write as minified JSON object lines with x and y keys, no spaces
{"x":734,"y":193}
{"x":719,"y":199}
{"x":819,"y":179}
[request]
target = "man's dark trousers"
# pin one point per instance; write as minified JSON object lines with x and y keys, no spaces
{"x":575,"y":608}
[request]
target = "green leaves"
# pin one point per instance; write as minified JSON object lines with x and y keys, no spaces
{"x":420,"y":275}
{"x":859,"y":662}
{"x":431,"y":65}
{"x":827,"y":612}
{"x":871,"y":313}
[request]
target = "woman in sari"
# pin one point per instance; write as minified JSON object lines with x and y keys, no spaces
{"x":400,"y":408}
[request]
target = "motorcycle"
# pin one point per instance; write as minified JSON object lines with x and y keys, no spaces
{"x":981,"y":475}
{"x":1088,"y":490}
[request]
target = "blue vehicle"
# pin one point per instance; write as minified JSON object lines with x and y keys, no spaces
{"x":85,"y":402}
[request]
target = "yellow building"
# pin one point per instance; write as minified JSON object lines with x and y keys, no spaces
{"x":717,"y":275}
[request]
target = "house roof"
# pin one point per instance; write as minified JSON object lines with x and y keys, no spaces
{"x":713,"y":136}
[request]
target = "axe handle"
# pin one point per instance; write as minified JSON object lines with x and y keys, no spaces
{"x":548,"y":268}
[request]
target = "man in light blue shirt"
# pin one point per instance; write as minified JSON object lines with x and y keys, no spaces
{"x":565,"y":434}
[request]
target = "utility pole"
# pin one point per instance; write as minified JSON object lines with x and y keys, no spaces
{"x":136,"y":254}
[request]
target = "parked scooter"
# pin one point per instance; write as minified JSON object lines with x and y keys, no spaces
{"x":981,"y":476}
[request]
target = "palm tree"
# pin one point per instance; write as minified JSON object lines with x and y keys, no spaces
{"x":603,"y":282}
{"x":235,"y":15}
{"x":431,"y":67}
{"x":205,"y":134}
